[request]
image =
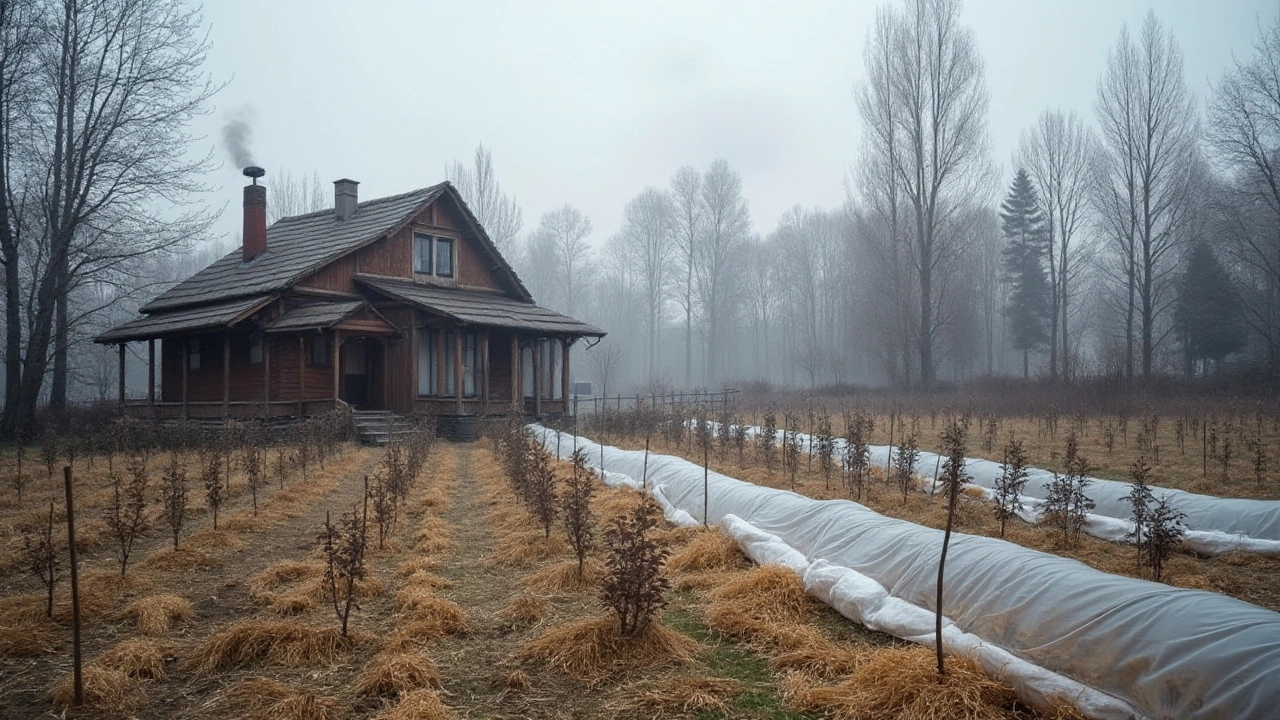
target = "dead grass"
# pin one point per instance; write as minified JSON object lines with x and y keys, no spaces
{"x":109,"y":692}
{"x":768,"y":592}
{"x":685,"y":696}
{"x":280,"y":573}
{"x":903,"y":683}
{"x":428,"y":580}
{"x":525,"y":548}
{"x":286,"y":644}
{"x":395,"y":672}
{"x":156,"y":614}
{"x":139,"y":658}
{"x":524,"y":609}
{"x":417,"y":705}
{"x":30,"y":638}
{"x":708,"y":550}
{"x":417,"y":604}
{"x":592,"y":650}
{"x":564,"y":577}
{"x":181,"y":560}
{"x":419,"y":564}
{"x":267,"y":699}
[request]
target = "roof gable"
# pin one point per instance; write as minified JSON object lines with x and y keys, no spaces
{"x":301,"y":245}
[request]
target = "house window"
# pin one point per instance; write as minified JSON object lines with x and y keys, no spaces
{"x":193,"y":353}
{"x":255,"y":349}
{"x":422,"y":253}
{"x":318,"y":350}
{"x":444,"y":257}
{"x":429,"y":364}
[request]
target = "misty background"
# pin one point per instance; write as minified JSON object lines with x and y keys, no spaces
{"x":706,"y":181}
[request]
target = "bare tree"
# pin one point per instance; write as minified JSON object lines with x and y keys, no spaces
{"x":727,"y":224}
{"x":113,"y":88}
{"x":497,"y":212}
{"x":564,"y":233}
{"x":926,"y":97}
{"x":1244,"y":130}
{"x":647,"y":228}
{"x":606,"y":362}
{"x":686,"y":193}
{"x":295,"y":195}
{"x":1059,"y":154}
{"x":1149,"y":126}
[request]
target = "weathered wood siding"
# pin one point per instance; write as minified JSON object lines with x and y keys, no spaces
{"x":204,"y":384}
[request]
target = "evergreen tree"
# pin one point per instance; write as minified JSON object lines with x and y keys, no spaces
{"x":1023,"y":260}
{"x":1207,"y":313}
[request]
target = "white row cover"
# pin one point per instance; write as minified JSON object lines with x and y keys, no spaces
{"x":1213,"y":525}
{"x":1116,"y":647}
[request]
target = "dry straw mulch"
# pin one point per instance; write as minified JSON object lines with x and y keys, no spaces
{"x":267,"y":699}
{"x":286,"y":644}
{"x":592,"y":650}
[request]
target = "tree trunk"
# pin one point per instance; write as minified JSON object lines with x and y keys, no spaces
{"x":12,"y":333}
{"x":58,"y":381}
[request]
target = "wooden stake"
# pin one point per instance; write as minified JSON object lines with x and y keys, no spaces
{"x":77,"y":670}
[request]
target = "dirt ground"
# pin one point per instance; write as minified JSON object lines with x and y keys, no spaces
{"x":464,"y":583}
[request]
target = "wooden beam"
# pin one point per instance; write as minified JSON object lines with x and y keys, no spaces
{"x":226,"y":373}
{"x":415,"y":353}
{"x":484,"y":370}
{"x":457,"y":368}
{"x":537,"y":378}
{"x":386,"y":377}
{"x":151,"y":371}
{"x":515,"y":374}
{"x":337,"y":369}
{"x":302,"y":371}
{"x":186,"y":364}
{"x":564,"y":374}
{"x":440,"y":386}
{"x":121,"y":374}
{"x":266,"y":371}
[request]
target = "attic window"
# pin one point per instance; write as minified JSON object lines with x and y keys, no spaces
{"x":432,"y":255}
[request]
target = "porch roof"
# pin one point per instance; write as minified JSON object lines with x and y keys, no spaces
{"x":203,"y":317}
{"x":470,"y":307}
{"x":317,"y":315}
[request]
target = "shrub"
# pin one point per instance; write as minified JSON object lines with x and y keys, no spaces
{"x":904,"y":463}
{"x":173,"y":495}
{"x":541,"y":481}
{"x":826,"y":448}
{"x":579,"y":523}
{"x":634,"y":585}
{"x":953,"y":471}
{"x":126,"y":515}
{"x":42,"y":559}
{"x":767,"y":439}
{"x":791,"y":447}
{"x":344,"y":546}
{"x":1164,"y":534}
{"x":214,"y":487}
{"x":1140,"y":500}
{"x":1067,"y":504}
{"x":1012,"y":480}
{"x":857,"y":453}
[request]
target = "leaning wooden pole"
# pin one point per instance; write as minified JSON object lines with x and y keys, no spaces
{"x":77,"y":672}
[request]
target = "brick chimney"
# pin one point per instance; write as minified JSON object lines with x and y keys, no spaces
{"x":345,"y":198}
{"x":255,"y":215}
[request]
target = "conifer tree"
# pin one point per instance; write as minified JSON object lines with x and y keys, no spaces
{"x":1207,"y":314}
{"x":1023,"y":261}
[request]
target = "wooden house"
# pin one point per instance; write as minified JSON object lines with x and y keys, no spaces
{"x":401,"y":303}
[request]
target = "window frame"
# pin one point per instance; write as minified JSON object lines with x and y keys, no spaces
{"x":453,"y":257}
{"x":428,"y":240}
{"x":193,"y":353}
{"x":256,"y":342}
{"x":323,"y":357}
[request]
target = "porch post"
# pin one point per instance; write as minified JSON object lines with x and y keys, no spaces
{"x":537,"y":378}
{"x":484,"y":370}
{"x":440,"y":386}
{"x":121,"y":374}
{"x":565,"y":343}
{"x":515,"y":374}
{"x":337,"y":370}
{"x":151,"y":371}
{"x":226,"y":374}
{"x":386,"y":369}
{"x":414,"y":353}
{"x":457,"y":367}
{"x":266,"y":374}
{"x":186,"y":363}
{"x":302,"y":371}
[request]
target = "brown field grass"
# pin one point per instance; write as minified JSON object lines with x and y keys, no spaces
{"x":286,"y":644}
{"x":267,"y":699}
{"x":565,"y":577}
{"x":395,"y":672}
{"x":593,"y":650}
{"x":156,"y":614}
{"x":680,"y":697}
{"x":417,"y":705}
{"x":107,"y":691}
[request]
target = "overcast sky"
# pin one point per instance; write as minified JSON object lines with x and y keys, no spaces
{"x":589,"y":102}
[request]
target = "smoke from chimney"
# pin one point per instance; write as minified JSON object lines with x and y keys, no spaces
{"x":237,"y":134}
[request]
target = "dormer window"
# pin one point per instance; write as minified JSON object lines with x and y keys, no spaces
{"x":432,"y":255}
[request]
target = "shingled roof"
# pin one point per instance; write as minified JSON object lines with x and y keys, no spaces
{"x":298,"y":246}
{"x":185,"y":320}
{"x":480,"y":308}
